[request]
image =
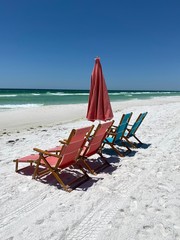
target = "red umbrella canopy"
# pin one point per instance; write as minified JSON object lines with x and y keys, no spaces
{"x":99,"y":107}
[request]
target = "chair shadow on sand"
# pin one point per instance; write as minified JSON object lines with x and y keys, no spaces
{"x":111,"y":152}
{"x":144,"y":145}
{"x":140,"y":145}
{"x":69,"y":174}
{"x":27,"y":171}
{"x":108,"y":169}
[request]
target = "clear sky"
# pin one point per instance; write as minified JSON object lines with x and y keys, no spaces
{"x":52,"y":44}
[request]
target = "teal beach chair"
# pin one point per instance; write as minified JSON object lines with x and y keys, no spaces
{"x":116,"y":138}
{"x":125,"y":118}
{"x":132,"y":131}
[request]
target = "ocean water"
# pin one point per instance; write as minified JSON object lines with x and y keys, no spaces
{"x":27,"y":98}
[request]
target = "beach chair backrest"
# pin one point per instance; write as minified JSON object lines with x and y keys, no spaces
{"x":120,"y":131}
{"x":97,"y":138}
{"x":70,"y":153}
{"x":126,"y":118}
{"x":137,"y":123}
{"x":71,"y":150}
{"x":80,"y":133}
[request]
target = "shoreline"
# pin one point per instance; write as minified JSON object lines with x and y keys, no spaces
{"x":44,"y":116}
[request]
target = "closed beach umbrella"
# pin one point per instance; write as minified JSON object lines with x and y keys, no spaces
{"x":99,"y":107}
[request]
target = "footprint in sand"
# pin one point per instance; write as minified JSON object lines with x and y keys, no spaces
{"x":39,"y":221}
{"x":163,"y":230}
{"x":133,"y":204}
{"x":145,"y":231}
{"x":147,"y":227}
{"x":11,"y":141}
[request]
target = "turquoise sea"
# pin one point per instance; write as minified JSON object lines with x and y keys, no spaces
{"x":25,"y":98}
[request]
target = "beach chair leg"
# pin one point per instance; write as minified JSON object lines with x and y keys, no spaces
{"x":104,"y":159}
{"x":82,"y":169}
{"x":35,"y":173}
{"x":16,"y":167}
{"x":65,"y":187}
{"x":126,"y":146}
{"x":102,"y":147}
{"x":130,"y":143}
{"x":137,"y":139}
{"x":88,"y":167}
{"x":106,"y":163}
{"x":78,"y":181}
{"x":115,"y":149}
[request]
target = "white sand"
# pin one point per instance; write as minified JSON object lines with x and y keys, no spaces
{"x":138,"y":198}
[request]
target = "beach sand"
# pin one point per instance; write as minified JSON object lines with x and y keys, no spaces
{"x":137,"y":198}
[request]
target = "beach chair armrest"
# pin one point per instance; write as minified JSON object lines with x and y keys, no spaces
{"x":112,"y":132}
{"x":112,"y":135}
{"x":38,"y":150}
{"x":64,"y":141}
{"x":113,"y":128}
{"x":55,"y":151}
{"x":45,"y":152}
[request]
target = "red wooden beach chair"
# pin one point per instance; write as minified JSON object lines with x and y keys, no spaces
{"x":94,"y":146}
{"x":75,"y":135}
{"x":68,"y":156}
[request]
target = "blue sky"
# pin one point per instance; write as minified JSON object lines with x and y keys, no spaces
{"x":52,"y":44}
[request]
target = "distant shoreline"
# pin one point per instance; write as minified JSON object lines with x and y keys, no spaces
{"x":28,"y":98}
{"x":52,"y":115}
